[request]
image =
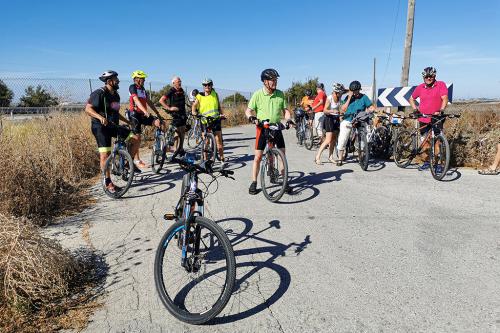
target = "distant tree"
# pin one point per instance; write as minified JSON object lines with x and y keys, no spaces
{"x":156,"y":95}
{"x":236,"y":97}
{"x":38,"y":96}
{"x":6,"y":94}
{"x":298,"y":90}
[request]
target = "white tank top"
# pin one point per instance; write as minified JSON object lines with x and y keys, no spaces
{"x":333,"y":105}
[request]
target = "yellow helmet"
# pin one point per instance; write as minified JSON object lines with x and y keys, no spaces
{"x":139,"y":74}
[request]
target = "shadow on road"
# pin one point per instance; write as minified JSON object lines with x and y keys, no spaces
{"x":454,"y":174}
{"x":260,"y":283}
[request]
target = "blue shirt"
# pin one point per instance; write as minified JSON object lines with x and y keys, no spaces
{"x":358,"y":104}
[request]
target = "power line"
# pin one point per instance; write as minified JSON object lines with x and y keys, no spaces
{"x":392,"y":42}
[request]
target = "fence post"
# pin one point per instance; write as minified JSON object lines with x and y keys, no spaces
{"x":150,"y":90}
{"x":90,"y":85}
{"x":234,"y":98}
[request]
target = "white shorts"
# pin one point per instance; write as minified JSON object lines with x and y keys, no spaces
{"x":319,"y":118}
{"x":345,"y":131}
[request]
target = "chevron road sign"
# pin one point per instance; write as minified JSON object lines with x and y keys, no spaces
{"x":400,"y":96}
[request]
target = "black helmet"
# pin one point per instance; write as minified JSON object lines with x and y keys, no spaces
{"x":195,"y":92}
{"x":107,"y":75}
{"x":320,"y":85}
{"x":355,"y":85}
{"x":429,"y":71}
{"x":308,"y":92}
{"x":269,"y":74}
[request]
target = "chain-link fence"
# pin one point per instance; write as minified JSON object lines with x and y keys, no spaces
{"x":41,"y":96}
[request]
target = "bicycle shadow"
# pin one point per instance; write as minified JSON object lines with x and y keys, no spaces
{"x":149,"y":181}
{"x":302,"y":184}
{"x":376,"y":165}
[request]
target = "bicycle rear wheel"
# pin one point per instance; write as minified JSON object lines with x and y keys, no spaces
{"x":363,"y":149}
{"x":157,"y":154}
{"x":379,"y":146}
{"x":274,"y":174}
{"x":308,"y":137}
{"x":208,"y":148}
{"x":194,"y":136}
{"x":121,"y":170}
{"x":440,"y":157}
{"x":404,"y":144}
{"x":199,"y":290}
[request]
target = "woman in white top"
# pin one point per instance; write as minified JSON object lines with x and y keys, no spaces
{"x":331,"y":122}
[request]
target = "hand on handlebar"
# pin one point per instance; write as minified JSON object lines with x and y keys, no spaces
{"x":104,"y":121}
{"x":288,"y":123}
{"x":253,"y":119}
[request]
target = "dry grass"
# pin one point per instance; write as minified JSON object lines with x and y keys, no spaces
{"x":42,"y":286}
{"x":45,"y":162}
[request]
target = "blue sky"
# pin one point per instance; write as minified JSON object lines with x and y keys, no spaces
{"x":232,"y":41}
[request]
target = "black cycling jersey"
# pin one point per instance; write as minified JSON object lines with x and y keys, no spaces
{"x":106,"y":104}
{"x":178,"y":99}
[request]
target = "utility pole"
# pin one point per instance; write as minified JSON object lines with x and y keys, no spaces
{"x":374,"y":84}
{"x":408,"y":43}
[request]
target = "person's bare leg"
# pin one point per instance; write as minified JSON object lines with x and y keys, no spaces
{"x":134,"y":149}
{"x":220,"y":146}
{"x":102,"y":162}
{"x":328,"y":141}
{"x":256,"y":164}
{"x":331,"y":147}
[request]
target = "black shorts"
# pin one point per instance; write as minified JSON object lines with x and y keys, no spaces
{"x":331,"y":124}
{"x":178,"y":121}
{"x":260,"y":139}
{"x":215,"y":125}
{"x":138,"y":119}
{"x":437,"y":128}
{"x":103,"y":136}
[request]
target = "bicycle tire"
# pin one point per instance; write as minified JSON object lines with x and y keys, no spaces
{"x":273,"y":196}
{"x":208,"y":148}
{"x":127,"y":173}
{"x":157,"y":154}
{"x":194,"y":137}
{"x":179,"y":311}
{"x":308,"y":137}
{"x":439,"y":170}
{"x":363,"y":149}
{"x":380,"y":145}
{"x":403,"y":148}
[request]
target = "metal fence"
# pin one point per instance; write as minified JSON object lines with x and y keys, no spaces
{"x":72,"y":94}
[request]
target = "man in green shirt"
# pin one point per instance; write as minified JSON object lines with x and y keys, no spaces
{"x":266,"y":103}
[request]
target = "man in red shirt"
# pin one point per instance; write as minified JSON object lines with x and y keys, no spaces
{"x":318,"y":106}
{"x":433,"y":96}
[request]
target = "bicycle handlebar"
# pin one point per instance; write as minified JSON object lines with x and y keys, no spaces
{"x":204,"y":167}
{"x":415,"y":115}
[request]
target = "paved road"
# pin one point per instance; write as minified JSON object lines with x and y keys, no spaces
{"x":388,"y":250}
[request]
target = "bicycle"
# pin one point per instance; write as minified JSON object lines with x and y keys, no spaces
{"x":185,"y":286}
{"x":408,"y":145}
{"x":119,"y":165}
{"x":274,"y":166}
{"x":310,"y":139}
{"x":358,"y":139}
{"x":208,"y":146}
{"x":162,"y":146}
{"x":301,"y":121}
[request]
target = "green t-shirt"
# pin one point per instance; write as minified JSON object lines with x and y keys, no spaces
{"x":268,"y":106}
{"x":357,"y":104}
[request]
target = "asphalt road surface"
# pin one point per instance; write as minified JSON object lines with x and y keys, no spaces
{"x":386,"y":250}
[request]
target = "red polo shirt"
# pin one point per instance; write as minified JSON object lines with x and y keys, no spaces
{"x":430,"y":98}
{"x":321,"y":96}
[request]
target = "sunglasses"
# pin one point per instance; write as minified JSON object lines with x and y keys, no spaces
{"x":207,"y":85}
{"x":429,"y":77}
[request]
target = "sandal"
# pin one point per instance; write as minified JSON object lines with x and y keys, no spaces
{"x":318,"y":162}
{"x":488,"y":172}
{"x":339,"y":163}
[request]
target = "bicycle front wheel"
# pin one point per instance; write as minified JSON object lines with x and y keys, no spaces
{"x":208,"y":149}
{"x":274,"y":174}
{"x":440,"y":157}
{"x":403,"y":148}
{"x":120,"y":168}
{"x":200,"y":289}
{"x":194,"y":136}
{"x":157,"y":154}
{"x":363,"y":149}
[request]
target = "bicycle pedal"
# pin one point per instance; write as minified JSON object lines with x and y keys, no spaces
{"x":169,"y":216}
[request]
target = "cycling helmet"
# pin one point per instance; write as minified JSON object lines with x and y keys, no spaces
{"x":269,"y":74}
{"x":108,"y":75}
{"x":207,"y":81}
{"x":139,"y":74}
{"x":308,"y":92}
{"x":195,"y":92}
{"x":429,"y":71}
{"x":355,"y":85}
{"x":320,"y":85}
{"x":338,"y":88}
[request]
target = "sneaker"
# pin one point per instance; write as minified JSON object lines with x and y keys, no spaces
{"x":424,"y":166}
{"x":253,"y":188}
{"x":111,"y":188}
{"x":139,"y":164}
{"x":438,"y":169}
